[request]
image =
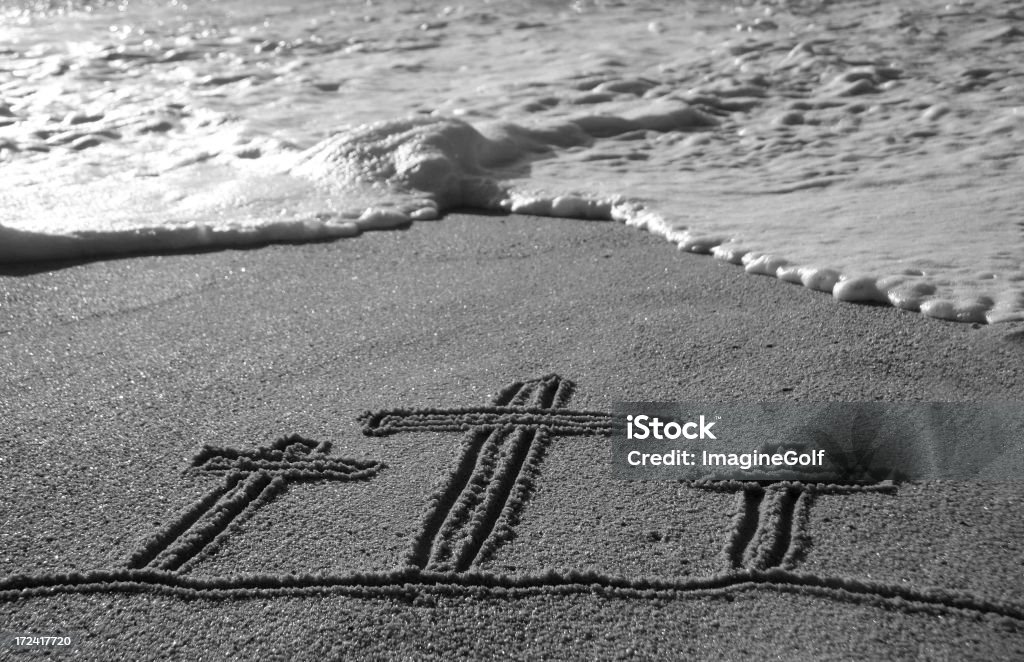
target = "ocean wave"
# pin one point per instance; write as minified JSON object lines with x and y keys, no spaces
{"x":839,"y":150}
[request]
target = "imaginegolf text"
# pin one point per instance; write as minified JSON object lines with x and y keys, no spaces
{"x":741,"y":460}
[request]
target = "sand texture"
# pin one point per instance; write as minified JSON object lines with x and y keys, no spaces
{"x":422,"y":540}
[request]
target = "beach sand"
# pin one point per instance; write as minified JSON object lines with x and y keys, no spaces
{"x":117,"y":372}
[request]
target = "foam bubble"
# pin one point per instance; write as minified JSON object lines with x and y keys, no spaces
{"x":860,"y":288}
{"x":767,"y":265}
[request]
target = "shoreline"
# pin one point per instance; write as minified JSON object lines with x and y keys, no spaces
{"x":891,"y":291}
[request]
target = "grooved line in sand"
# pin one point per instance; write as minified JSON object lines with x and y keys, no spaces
{"x":473,"y":513}
{"x":410,"y":583}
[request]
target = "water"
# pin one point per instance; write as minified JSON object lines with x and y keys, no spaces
{"x":865,"y":149}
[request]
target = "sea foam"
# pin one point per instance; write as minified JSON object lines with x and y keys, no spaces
{"x":837,"y":150}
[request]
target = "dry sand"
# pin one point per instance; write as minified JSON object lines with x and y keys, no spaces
{"x":117,"y":372}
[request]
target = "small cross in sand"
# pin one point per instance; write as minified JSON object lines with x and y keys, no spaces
{"x":769,"y":525}
{"x":252,"y":479}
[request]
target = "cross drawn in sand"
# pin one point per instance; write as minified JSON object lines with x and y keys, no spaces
{"x":481,"y":503}
{"x":252,"y":479}
{"x":769,"y":521}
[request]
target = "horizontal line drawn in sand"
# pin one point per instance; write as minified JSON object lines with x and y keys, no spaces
{"x":412,"y":583}
{"x":474,"y":512}
{"x":252,"y":480}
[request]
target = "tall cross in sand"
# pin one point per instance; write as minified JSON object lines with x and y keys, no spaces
{"x":470,"y":516}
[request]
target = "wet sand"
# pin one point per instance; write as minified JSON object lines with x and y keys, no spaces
{"x":117,"y":372}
